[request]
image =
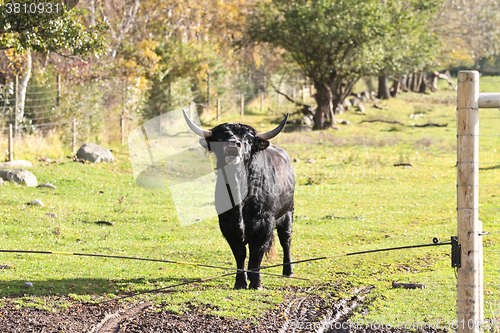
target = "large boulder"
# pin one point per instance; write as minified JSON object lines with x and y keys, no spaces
{"x":94,"y":153}
{"x":19,"y":176}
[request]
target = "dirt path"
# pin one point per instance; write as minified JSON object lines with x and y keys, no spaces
{"x":302,"y":311}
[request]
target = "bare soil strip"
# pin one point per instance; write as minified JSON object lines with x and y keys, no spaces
{"x":313,"y":309}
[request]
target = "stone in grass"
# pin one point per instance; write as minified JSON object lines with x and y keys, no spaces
{"x":36,"y":202}
{"x":16,"y":164}
{"x":28,"y":284}
{"x":94,"y":153}
{"x":19,"y":176}
{"x":48,"y":185}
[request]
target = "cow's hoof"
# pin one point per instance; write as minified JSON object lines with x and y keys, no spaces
{"x":240,"y":286}
{"x":258,"y":287}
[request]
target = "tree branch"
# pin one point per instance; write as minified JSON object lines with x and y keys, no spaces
{"x":288,"y":97}
{"x":71,"y":57}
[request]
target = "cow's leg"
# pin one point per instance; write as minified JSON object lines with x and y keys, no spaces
{"x":284,"y":229}
{"x":240,"y":252}
{"x":257,"y":250}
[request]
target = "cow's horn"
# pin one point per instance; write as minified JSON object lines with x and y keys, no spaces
{"x":197,"y":130}
{"x":271,"y":134}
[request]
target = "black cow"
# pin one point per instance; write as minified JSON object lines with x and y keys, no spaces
{"x":254,"y":193}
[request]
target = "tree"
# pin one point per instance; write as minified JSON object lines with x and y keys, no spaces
{"x":27,"y":27}
{"x":60,"y":32}
{"x":334,"y":42}
{"x":415,"y":45}
{"x":469,"y":31}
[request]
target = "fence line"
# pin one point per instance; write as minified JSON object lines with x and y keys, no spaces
{"x":46,"y":107}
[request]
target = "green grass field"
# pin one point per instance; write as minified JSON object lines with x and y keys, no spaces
{"x":351,"y":199}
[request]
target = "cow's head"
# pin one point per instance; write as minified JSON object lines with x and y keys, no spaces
{"x":233,"y":143}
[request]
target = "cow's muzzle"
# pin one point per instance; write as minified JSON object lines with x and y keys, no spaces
{"x":232,"y":152}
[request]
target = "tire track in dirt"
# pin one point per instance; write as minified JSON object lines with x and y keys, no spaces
{"x":303,"y":312}
{"x":117,"y":322}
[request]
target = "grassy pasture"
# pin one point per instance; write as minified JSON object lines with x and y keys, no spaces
{"x":351,"y":199}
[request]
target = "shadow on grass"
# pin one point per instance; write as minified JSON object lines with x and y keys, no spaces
{"x":494,"y":167}
{"x":89,"y":286}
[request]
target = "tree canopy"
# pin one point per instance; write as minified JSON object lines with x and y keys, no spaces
{"x":336,"y":42}
{"x":52,"y":26}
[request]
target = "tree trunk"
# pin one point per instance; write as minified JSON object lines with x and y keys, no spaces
{"x":403,"y":85}
{"x":383,"y":87}
{"x":423,"y":85}
{"x":24,"y":77}
{"x":395,"y":86}
{"x":433,"y":80}
{"x":324,"y":102}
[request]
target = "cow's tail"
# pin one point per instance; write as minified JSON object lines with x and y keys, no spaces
{"x":271,"y":249}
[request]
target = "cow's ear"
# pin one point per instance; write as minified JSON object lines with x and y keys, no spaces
{"x":204,"y":143}
{"x":261,"y":144}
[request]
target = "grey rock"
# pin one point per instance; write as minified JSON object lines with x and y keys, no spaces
{"x":94,"y":153}
{"x":365,"y":96}
{"x":28,"y":285}
{"x":347,"y":104}
{"x":361,"y":108}
{"x":311,"y":161}
{"x":307,"y":120}
{"x":340,"y":109}
{"x":346,"y":122}
{"x":16,"y":164}
{"x":36,"y":202}
{"x":355,"y":101}
{"x":19,"y":176}
{"x":48,"y":185}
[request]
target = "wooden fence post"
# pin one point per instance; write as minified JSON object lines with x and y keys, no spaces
{"x":469,"y":282}
{"x":11,"y":144}
{"x":122,"y":128}
{"x":242,"y":105}
{"x":208,"y":91}
{"x":279,"y":96}
{"x":191,"y":110}
{"x":218,"y":109}
{"x":73,"y":143}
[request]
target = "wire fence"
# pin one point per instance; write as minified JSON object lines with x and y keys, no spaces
{"x":107,"y":110}
{"x":100,"y":107}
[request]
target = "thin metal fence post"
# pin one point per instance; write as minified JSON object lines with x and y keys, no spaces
{"x":58,"y":83}
{"x":16,"y":105}
{"x":122,"y":116}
